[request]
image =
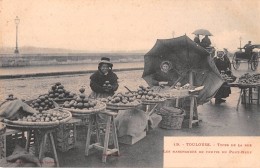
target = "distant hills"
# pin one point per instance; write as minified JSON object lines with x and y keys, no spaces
{"x":39,"y":50}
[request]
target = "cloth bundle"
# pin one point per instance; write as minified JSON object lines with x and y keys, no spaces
{"x":20,"y":158}
{"x":134,"y":121}
{"x":10,"y":109}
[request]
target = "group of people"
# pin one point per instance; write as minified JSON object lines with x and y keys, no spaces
{"x":205,"y":42}
{"x":164,"y":78}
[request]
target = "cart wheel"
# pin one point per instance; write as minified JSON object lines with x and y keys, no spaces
{"x":254,"y":62}
{"x":235,"y":62}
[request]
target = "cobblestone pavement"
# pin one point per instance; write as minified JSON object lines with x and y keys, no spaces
{"x":30,"y":88}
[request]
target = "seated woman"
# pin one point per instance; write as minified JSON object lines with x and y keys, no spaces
{"x":103,"y":82}
{"x":223,"y":64}
{"x":164,"y":78}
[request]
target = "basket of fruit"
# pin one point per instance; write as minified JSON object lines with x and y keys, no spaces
{"x":121,"y":101}
{"x":45,"y":119}
{"x":59,"y":94}
{"x":228,"y":78}
{"x":42,"y":103}
{"x":148,"y":96}
{"x":247,"y":79}
{"x":82,"y":105}
{"x":177,"y":91}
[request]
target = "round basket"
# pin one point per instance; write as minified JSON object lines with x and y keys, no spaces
{"x":152,"y":101}
{"x":81,"y":112}
{"x":171,"y":119}
{"x":64,"y":111}
{"x":33,"y":125}
{"x":117,"y":106}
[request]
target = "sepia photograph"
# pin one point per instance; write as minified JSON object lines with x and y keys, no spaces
{"x":128,"y":83}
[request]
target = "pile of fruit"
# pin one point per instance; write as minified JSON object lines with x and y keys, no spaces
{"x":226,"y":78}
{"x":82,"y":102}
{"x":179,"y":87}
{"x":57,"y":92}
{"x":121,"y":99}
{"x":147,"y":94}
{"x":46,"y":116}
{"x":249,"y":79}
{"x":177,"y":91}
{"x":42,"y":103}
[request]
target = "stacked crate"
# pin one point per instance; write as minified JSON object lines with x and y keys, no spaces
{"x":65,"y":137}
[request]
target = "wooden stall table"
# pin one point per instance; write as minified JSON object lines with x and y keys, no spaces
{"x":93,"y":121}
{"x":42,"y":131}
{"x":46,"y":131}
{"x":244,"y":89}
{"x":126,"y":139}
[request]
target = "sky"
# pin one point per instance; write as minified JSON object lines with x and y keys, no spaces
{"x":126,"y":25}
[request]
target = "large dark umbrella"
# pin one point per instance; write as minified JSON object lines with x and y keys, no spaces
{"x":186,"y":58}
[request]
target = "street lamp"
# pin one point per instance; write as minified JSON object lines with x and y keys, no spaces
{"x":240,"y":38}
{"x":16,"y":21}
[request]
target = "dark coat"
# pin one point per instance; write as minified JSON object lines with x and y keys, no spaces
{"x":205,"y":42}
{"x":248,"y":49}
{"x":160,"y":76}
{"x":222,"y":65}
{"x":197,"y":40}
{"x":98,"y":79}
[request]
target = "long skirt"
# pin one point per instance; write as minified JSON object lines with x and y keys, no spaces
{"x":223,"y":92}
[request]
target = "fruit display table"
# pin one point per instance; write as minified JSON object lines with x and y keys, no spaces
{"x":110,"y":123}
{"x":246,"y":83}
{"x":42,"y":125}
{"x":45,"y":131}
{"x":244,"y":89}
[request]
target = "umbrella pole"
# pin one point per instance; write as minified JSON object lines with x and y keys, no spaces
{"x":191,"y":80}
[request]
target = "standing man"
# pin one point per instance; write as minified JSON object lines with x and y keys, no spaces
{"x":248,"y":49}
{"x":205,"y":42}
{"x":197,"y":39}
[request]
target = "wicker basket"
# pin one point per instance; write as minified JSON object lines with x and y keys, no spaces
{"x":172,"y":118}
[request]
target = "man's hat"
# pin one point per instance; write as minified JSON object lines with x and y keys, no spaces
{"x":105,"y":60}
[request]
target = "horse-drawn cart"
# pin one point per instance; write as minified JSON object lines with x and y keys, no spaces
{"x":242,"y":56}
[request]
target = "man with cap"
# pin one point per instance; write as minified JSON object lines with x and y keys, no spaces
{"x":103,"y":82}
{"x":248,"y":49}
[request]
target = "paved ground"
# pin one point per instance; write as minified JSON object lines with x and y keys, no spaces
{"x":217,"y":120}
